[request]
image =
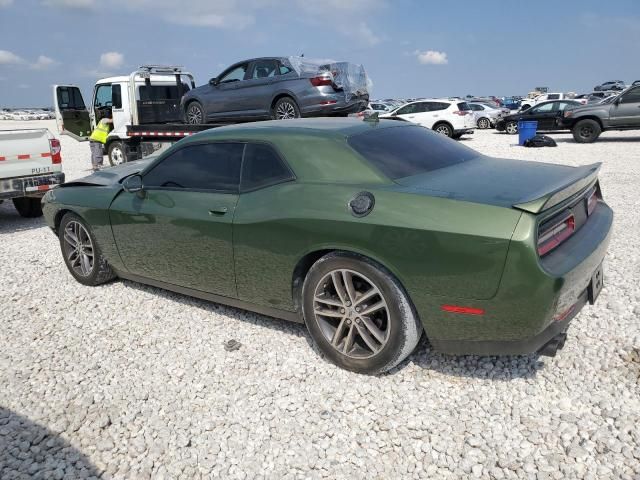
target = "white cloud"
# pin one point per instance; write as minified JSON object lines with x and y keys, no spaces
{"x":111,"y":60}
{"x":431,"y":57}
{"x":10,"y":58}
{"x":43,"y":62}
{"x":72,"y":4}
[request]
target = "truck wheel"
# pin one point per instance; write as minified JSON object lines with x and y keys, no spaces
{"x":28,"y":207}
{"x":117,"y":153}
{"x":81,"y":253}
{"x":285,"y":108}
{"x":586,"y":131}
{"x":195,"y":114}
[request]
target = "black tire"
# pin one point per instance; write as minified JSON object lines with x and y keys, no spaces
{"x":285,"y":108}
{"x":195,"y":114}
{"x":484,"y":123}
{"x":586,"y":131}
{"x":117,"y":153}
{"x":511,"y":128}
{"x":100,"y":271}
{"x":443,"y":129}
{"x":28,"y":207}
{"x":401,"y":324}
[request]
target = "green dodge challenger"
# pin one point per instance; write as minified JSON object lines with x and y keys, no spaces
{"x":369,"y":232}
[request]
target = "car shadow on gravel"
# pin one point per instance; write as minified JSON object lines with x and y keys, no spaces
{"x":424,"y":356}
{"x":500,"y":368}
{"x":30,"y":450}
{"x":11,"y":222}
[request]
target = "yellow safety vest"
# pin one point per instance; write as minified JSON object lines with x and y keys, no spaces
{"x":101,"y":132}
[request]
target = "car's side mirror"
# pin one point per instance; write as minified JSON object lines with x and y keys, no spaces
{"x":214,"y":81}
{"x":133,"y":184}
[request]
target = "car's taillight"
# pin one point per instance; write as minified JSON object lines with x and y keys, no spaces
{"x":55,"y":149}
{"x":322,"y":79}
{"x":568,"y":113}
{"x":462,"y":112}
{"x":592,"y":201}
{"x":555,"y":233}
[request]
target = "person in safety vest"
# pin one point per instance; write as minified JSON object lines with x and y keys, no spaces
{"x":97,"y":140}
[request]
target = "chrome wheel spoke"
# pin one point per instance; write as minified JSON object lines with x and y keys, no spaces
{"x":78,"y":249}
{"x":351,"y":313}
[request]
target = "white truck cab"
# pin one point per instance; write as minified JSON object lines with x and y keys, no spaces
{"x":148,"y":96}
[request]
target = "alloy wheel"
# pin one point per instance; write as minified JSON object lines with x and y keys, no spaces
{"x":483,"y":123}
{"x":511,"y":128}
{"x":194,"y":115}
{"x":586,"y":131}
{"x":285,"y":111}
{"x":352,"y":313}
{"x":78,"y":248}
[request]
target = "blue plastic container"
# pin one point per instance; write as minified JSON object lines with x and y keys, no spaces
{"x":526,"y":130}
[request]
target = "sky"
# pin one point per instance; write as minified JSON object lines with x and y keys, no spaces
{"x":410,"y":48}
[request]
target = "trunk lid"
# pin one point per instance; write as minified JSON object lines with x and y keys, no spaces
{"x":529,"y":186}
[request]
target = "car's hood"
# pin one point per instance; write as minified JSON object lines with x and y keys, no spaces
{"x":530,"y":186}
{"x":111,"y":175}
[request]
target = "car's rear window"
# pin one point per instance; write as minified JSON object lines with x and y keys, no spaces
{"x":405,"y":151}
{"x":463,"y":106}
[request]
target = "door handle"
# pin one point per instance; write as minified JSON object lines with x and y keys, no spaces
{"x":218,"y":211}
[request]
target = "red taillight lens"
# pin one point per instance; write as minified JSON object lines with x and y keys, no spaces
{"x":555,"y":234}
{"x":322,"y":79}
{"x":592,"y":201}
{"x":55,"y":148}
{"x":462,"y":112}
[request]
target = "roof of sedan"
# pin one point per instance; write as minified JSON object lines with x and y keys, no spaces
{"x":344,"y":127}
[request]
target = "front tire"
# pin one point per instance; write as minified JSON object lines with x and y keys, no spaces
{"x":358,"y":314}
{"x":511,"y":128}
{"x":586,"y":131}
{"x":81,"y":253}
{"x":443,"y":129}
{"x":116,"y":153}
{"x":285,"y":108}
{"x":195,"y":114}
{"x":28,"y":207}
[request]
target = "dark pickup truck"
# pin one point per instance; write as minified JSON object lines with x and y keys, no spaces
{"x":588,"y":122}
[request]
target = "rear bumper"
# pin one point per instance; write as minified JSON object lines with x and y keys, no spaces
{"x":536,"y":299}
{"x":316,"y":107}
{"x":32,"y":186}
{"x":461,"y":131}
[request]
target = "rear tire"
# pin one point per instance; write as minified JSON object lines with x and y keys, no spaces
{"x":349,"y":336}
{"x":484,"y":123}
{"x":81,"y":253}
{"x":195,"y":114}
{"x":586,"y":131}
{"x":443,"y":129}
{"x":285,"y":108}
{"x":117,"y":153}
{"x":511,"y":128}
{"x":28,"y":207}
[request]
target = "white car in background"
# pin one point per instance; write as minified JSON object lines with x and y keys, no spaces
{"x":452,"y":118}
{"x":485,"y":116}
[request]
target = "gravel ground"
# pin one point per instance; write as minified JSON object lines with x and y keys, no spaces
{"x":128,"y":381}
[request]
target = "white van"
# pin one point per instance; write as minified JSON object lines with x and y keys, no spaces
{"x":148,"y":97}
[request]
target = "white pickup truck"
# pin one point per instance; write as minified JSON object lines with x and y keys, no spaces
{"x":30,"y":164}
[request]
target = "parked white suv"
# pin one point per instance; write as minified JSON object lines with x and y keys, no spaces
{"x":452,"y":118}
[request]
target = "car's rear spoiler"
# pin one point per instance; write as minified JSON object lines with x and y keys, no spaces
{"x":580,"y":178}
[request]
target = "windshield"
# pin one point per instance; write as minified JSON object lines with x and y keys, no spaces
{"x":405,"y":151}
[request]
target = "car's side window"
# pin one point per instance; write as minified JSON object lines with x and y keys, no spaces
{"x":235,"y":75}
{"x":632,"y":96}
{"x":207,"y":166}
{"x":407,"y":109}
{"x":262,"y":167}
{"x":546,"y":108}
{"x":284,"y":69}
{"x":437,"y":106}
{"x":264,"y":69}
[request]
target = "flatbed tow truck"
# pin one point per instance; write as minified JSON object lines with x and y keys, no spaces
{"x":144,"y":106}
